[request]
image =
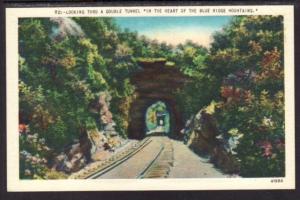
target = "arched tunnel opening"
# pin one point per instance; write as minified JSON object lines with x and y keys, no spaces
{"x":155,"y":82}
{"x":157,"y":119}
{"x":164,"y":109}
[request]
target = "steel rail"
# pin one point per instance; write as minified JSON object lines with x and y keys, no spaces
{"x":146,"y":169}
{"x":119,"y":161}
{"x":160,"y":166}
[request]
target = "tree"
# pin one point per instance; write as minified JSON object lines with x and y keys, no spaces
{"x":246,"y":59}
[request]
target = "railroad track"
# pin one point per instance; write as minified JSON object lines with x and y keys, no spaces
{"x":161,"y":165}
{"x":112,"y":162}
{"x":158,"y":167}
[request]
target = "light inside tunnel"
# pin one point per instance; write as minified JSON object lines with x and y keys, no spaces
{"x":157,"y":118}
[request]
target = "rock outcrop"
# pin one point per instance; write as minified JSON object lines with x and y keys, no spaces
{"x":93,"y":144}
{"x":75,"y":156}
{"x":200,"y":134}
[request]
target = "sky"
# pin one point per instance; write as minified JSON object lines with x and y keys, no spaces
{"x":175,"y":30}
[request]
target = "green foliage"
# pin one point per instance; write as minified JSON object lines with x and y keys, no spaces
{"x":151,"y":60}
{"x":199,"y":91}
{"x":58,"y":84}
{"x":57,"y":134}
{"x":247,"y":60}
{"x":62,"y":76}
{"x":242,"y":75}
{"x":261,"y":123}
{"x":52,"y":174}
{"x":151,"y":116}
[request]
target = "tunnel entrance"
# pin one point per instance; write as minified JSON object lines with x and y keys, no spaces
{"x":157,"y":119}
{"x":155,"y":82}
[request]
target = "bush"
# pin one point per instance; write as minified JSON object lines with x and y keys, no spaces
{"x":260,"y":127}
{"x":251,"y":88}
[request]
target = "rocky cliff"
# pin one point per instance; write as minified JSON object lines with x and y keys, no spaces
{"x":201,"y":135}
{"x":93,"y":144}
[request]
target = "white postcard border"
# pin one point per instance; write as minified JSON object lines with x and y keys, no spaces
{"x":15,"y":184}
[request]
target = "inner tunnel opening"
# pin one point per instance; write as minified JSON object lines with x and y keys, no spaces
{"x":157,"y":119}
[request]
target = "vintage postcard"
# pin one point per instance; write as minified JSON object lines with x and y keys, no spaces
{"x":150,"y":98}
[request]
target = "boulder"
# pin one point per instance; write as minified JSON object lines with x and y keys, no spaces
{"x":74,"y":165}
{"x":206,"y":125}
{"x":85,"y":145}
{"x":93,"y":145}
{"x":75,"y":148}
{"x":225,"y":161}
{"x":69,"y":163}
{"x":114,"y":142}
{"x":201,"y":134}
{"x":109,"y":129}
{"x":74,"y":157}
{"x":98,"y":139}
{"x":100,"y":155}
{"x":59,"y":162}
{"x":199,"y":143}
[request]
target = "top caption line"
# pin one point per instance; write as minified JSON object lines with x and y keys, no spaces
{"x":113,"y":11}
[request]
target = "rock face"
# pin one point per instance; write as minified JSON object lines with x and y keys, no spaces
{"x":105,"y":114}
{"x":200,"y":134}
{"x":103,"y":143}
{"x":74,"y":157}
{"x":93,"y":144}
{"x":107,"y":139}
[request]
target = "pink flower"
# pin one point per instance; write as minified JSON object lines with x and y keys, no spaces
{"x":34,"y":160}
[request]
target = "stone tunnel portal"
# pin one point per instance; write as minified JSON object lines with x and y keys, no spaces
{"x":155,"y":82}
